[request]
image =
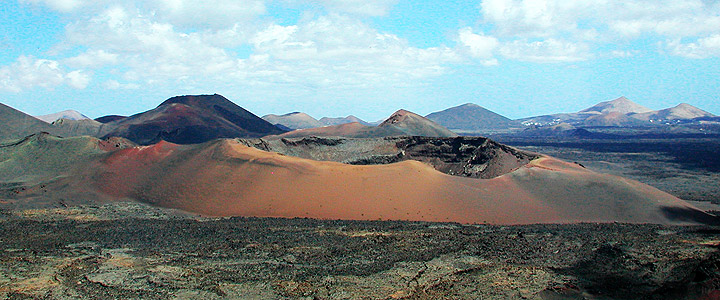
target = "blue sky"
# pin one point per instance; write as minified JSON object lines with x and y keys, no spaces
{"x":364,"y":57}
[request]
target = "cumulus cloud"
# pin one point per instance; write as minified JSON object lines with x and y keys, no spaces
{"x":478,"y":45}
{"x":324,"y":51}
{"x":59,"y":5}
{"x":601,"y":22}
{"x":332,"y":49}
{"x":543,"y":18}
{"x":702,"y":48}
{"x":359,"y":7}
{"x":115,"y":85}
{"x":28,"y":72}
{"x":539,"y":18}
{"x":149,"y":47}
{"x":92,"y":58}
{"x":78,"y":79}
{"x":214,"y":14}
{"x":547,"y":51}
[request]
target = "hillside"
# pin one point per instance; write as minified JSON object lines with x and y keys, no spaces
{"x":15,"y":124}
{"x":620,"y":105}
{"x":472,"y":118}
{"x":400,"y":123}
{"x":227,"y":178}
{"x":192,"y":119}
{"x":327,"y":121}
{"x":66,"y":114}
{"x":294,"y":120}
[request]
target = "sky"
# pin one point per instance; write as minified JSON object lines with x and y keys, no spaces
{"x":368,"y":58}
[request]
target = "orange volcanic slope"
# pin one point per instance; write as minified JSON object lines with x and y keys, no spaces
{"x":225,"y":178}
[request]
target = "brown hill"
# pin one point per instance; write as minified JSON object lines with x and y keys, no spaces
{"x":682,"y":111}
{"x":620,"y":105}
{"x":400,"y":123}
{"x":613,"y":119}
{"x":327,"y":121}
{"x":192,"y":119}
{"x":227,"y":178}
{"x":294,"y":120}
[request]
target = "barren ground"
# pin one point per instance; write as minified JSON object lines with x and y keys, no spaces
{"x":129,"y":250}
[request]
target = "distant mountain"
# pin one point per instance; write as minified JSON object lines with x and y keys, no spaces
{"x":81,"y":127}
{"x":606,"y":113}
{"x":326,"y":121}
{"x":620,"y":105}
{"x":15,"y":124}
{"x":66,"y":114}
{"x":682,"y":111}
{"x":472,"y":118}
{"x":413,"y":124}
{"x":401,"y":123}
{"x":294,"y":120}
{"x":192,"y":119}
{"x":615,"y":119}
{"x":109,"y":118}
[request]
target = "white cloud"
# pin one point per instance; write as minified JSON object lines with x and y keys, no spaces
{"x":330,"y":50}
{"x":359,"y":7}
{"x":115,"y":85}
{"x":92,"y":58}
{"x":546,"y":18}
{"x":596,"y":23}
{"x":537,"y":18}
{"x":624,"y":53}
{"x":78,"y":79}
{"x":149,"y":48}
{"x":336,"y":49}
{"x":28,"y":72}
{"x":217,"y":14}
{"x":668,"y":18}
{"x":703,"y":48}
{"x":59,"y":5}
{"x":547,"y":51}
{"x":213,"y":14}
{"x":479,"y":45}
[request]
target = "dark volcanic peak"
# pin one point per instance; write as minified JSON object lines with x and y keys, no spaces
{"x":221,"y":106}
{"x":192,"y":119}
{"x":472,"y":117}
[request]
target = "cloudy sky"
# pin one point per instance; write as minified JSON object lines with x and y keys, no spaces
{"x":364,"y":57}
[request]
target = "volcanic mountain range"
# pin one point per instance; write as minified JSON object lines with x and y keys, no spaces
{"x":620,"y":112}
{"x":203,"y":154}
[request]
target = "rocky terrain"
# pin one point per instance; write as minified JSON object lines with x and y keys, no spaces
{"x":475,"y":157}
{"x":132,"y":251}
